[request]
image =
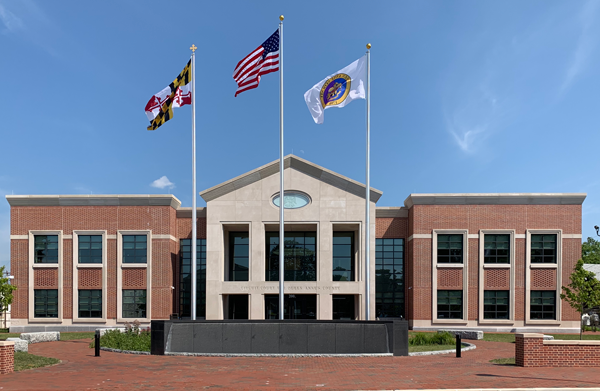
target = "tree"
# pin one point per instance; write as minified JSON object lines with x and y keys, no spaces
{"x":6,"y":293}
{"x":590,"y":251}
{"x":583,"y":293}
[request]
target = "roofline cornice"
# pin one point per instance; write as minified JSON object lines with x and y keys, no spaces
{"x":299,"y":164}
{"x":391,"y":211}
{"x":495,"y":199}
{"x":95,"y":200}
{"x":187,"y":212}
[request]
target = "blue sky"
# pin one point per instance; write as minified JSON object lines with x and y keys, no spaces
{"x":467,"y":96}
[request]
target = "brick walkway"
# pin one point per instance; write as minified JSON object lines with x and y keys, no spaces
{"x":80,"y":370}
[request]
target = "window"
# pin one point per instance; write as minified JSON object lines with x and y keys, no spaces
{"x":300,"y":256}
{"x":543,"y":248}
{"x":294,"y":306}
{"x":45,"y":303}
{"x":90,"y":303}
{"x":389,"y":278}
{"x":238,"y":306}
{"x":185,"y":278}
{"x":450,"y":248}
{"x":495,"y":305}
{"x":238,"y":256}
{"x":543,"y":305}
{"x":46,"y":248}
{"x":343,"y":256}
{"x":134,"y":303}
{"x":343,"y":307}
{"x":449,"y":304}
{"x":496,"y":248}
{"x":135,"y":248}
{"x":90,"y":248}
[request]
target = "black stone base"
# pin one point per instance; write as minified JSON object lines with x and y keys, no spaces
{"x":279,"y":337}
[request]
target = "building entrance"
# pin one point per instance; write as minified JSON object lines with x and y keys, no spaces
{"x":295,"y":307}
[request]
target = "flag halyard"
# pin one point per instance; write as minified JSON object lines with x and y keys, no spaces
{"x":159,"y":108}
{"x":261,"y":61}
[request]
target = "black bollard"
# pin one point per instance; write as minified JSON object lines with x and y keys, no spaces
{"x":458,"y":346}
{"x":97,"y":343}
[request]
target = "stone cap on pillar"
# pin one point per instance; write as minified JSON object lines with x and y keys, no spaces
{"x":7,"y":343}
{"x":529,"y":335}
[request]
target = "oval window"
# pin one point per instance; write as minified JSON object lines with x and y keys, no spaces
{"x":293,"y":200}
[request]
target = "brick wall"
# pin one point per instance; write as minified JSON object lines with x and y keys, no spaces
{"x":160,"y":219}
{"x":184,"y":228}
{"x":423,"y":219}
{"x":532,"y":351}
{"x":388,"y":227}
{"x":7,"y":357}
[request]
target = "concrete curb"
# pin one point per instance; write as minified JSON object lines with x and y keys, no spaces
{"x":279,"y":354}
{"x":123,"y":351}
{"x":511,"y":389}
{"x":466,"y":347}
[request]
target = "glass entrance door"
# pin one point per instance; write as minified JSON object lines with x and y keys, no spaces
{"x":295,"y":307}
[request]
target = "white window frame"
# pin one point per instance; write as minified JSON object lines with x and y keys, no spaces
{"x":483,"y":266}
{"x":529,"y":266}
{"x":77,"y":266}
{"x":121,"y":266}
{"x":33,"y":266}
{"x":434,"y":273}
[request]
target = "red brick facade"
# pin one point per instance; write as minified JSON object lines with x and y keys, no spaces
{"x":418,"y":224}
{"x":425,"y":220}
{"x":166,"y":230}
{"x":532,"y":351}
{"x":7,"y":357}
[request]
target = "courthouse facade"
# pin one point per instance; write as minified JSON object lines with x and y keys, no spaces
{"x":487,"y":261}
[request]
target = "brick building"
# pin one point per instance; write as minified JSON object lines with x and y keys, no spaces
{"x":489,"y":261}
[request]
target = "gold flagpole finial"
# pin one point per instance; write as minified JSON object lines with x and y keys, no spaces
{"x":281,"y":17}
{"x":368,"y":46}
{"x":193,"y":48}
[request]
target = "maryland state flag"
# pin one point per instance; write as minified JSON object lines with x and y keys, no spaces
{"x":159,"y":108}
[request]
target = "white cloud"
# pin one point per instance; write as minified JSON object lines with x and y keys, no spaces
{"x":12,"y":23}
{"x":585,"y":44}
{"x":162,"y":183}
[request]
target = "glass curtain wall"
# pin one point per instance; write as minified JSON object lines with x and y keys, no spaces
{"x":300,"y":256}
{"x":185,"y":278}
{"x":294,"y":306}
{"x":389,"y":278}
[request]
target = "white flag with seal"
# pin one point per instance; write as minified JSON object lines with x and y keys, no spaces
{"x":338,"y":89}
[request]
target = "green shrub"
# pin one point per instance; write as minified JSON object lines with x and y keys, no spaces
{"x":444,"y":338}
{"x":133,"y":338}
{"x":421,"y":339}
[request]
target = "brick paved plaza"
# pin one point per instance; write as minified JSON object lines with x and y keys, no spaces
{"x":81,"y":370}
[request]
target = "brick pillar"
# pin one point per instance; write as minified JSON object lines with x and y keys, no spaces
{"x":7,"y":357}
{"x":528,"y":349}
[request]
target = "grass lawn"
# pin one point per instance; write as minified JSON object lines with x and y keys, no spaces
{"x":25,"y":361}
{"x":504,"y":361}
{"x":63,"y":336}
{"x":498,"y":337}
{"x":430,"y":348}
{"x":588,"y":336}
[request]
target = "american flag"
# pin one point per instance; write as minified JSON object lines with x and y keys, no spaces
{"x":263,"y":60}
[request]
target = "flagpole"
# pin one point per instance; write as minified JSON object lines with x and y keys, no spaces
{"x":281,"y":193}
{"x":368,"y":193}
{"x":194,"y":234}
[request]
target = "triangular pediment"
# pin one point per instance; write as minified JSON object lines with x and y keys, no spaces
{"x":298,"y":164}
